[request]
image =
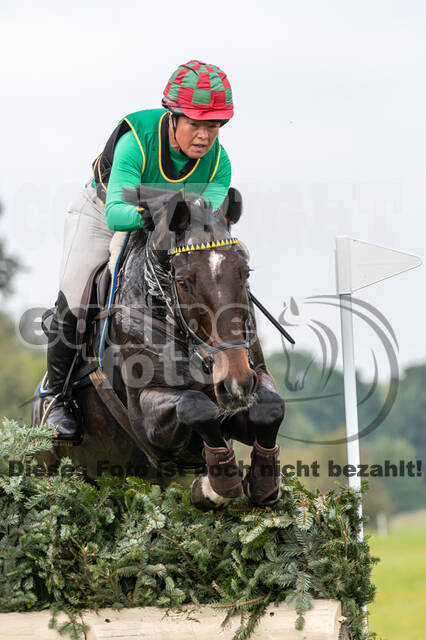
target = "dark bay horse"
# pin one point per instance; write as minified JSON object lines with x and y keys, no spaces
{"x":185,"y":359}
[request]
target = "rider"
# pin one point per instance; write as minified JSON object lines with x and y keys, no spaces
{"x":176,"y":148}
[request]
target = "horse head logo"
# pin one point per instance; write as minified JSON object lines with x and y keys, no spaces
{"x":307,"y":379}
{"x":296,"y":317}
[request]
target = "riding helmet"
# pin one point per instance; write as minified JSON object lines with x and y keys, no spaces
{"x":200,"y":91}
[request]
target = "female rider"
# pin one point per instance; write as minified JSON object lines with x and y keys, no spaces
{"x":176,"y":148}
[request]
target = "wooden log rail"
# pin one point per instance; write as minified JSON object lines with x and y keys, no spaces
{"x":203,"y":623}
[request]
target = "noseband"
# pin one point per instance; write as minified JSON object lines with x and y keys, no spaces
{"x":193,"y":340}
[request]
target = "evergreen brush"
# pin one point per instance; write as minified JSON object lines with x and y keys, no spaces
{"x":69,"y":545}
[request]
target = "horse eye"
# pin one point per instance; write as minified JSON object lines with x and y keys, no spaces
{"x":185,"y":285}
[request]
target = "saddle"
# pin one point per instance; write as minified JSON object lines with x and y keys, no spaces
{"x":98,"y":296}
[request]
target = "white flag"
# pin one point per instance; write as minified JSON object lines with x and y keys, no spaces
{"x":360,"y":264}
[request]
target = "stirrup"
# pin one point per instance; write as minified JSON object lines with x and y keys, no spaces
{"x":68,"y":404}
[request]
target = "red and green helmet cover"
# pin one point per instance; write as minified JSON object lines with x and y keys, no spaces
{"x":200,"y":90}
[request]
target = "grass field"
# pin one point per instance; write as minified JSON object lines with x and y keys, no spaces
{"x":399,"y":610}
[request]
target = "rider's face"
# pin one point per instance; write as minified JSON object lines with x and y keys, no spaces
{"x":194,"y":137}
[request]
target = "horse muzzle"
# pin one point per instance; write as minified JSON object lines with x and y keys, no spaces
{"x":234,"y":381}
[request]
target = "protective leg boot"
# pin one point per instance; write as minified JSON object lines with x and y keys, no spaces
{"x":221,"y":484}
{"x":60,"y":356}
{"x":223,"y":472}
{"x":262,"y":483}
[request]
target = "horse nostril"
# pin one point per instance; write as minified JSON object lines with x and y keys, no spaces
{"x":229,"y":387}
{"x":235,"y":389}
{"x":250,"y":384}
{"x":253,"y":383}
{"x":221,"y":388}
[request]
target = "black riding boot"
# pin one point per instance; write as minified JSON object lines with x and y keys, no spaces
{"x":60,"y":355}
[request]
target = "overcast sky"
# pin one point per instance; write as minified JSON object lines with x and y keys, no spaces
{"x":328,"y":136}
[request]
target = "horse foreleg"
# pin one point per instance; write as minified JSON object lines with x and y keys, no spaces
{"x":262,"y":420}
{"x":267,"y":414}
{"x":170,"y":417}
{"x":199,"y":413}
{"x":170,"y":420}
{"x":223,"y":479}
{"x":258,"y":426}
{"x":262,"y":483}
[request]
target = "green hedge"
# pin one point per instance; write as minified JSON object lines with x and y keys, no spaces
{"x":69,"y":545}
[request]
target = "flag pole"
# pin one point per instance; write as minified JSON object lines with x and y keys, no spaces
{"x":360,"y":264}
{"x":351,"y":403}
{"x":344,"y":289}
{"x":351,"y":408}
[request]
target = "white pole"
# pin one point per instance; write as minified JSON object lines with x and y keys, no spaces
{"x":351,"y":409}
{"x":359,"y":264}
{"x":351,"y":405}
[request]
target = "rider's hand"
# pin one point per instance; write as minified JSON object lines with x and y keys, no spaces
{"x":147,"y":219}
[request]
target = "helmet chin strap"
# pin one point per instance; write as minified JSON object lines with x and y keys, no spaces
{"x":174,"y":120}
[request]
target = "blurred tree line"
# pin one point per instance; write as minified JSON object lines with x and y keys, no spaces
{"x":20,"y":367}
{"x":9,"y":265}
{"x":312,"y":414}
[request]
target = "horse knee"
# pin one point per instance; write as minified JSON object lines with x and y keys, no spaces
{"x":269,"y":408}
{"x":194,"y":407}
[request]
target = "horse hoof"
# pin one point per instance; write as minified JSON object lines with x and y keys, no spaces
{"x":203,"y":497}
{"x":262,"y":483}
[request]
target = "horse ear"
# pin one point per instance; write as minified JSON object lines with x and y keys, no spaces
{"x":178,"y":213}
{"x":233,"y":206}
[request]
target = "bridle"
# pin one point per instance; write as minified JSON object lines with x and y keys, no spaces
{"x":193,"y":340}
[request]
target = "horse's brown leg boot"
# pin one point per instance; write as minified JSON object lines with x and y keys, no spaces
{"x":222,"y":470}
{"x":262,"y":483}
{"x":222,"y":481}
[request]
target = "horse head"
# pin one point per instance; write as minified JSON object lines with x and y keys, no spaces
{"x":193,"y":261}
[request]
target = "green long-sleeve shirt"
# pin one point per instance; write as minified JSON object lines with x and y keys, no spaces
{"x":137,"y":159}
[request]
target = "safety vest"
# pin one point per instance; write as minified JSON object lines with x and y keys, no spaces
{"x":150,"y":128}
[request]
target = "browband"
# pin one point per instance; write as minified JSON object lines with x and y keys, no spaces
{"x":198,"y":247}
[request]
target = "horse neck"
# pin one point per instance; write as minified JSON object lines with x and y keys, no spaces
{"x":145,"y":282}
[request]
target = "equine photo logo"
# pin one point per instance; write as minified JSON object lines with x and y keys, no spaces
{"x":310,"y":380}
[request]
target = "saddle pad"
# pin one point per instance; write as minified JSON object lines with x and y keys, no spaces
{"x":99,"y":343}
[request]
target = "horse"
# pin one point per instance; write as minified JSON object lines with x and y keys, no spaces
{"x":184,"y":359}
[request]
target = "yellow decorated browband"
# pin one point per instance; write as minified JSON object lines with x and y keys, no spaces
{"x":218,"y":244}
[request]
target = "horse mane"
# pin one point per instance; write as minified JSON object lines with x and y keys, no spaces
{"x":144,"y":281}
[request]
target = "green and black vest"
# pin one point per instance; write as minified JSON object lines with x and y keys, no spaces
{"x":151,"y":131}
